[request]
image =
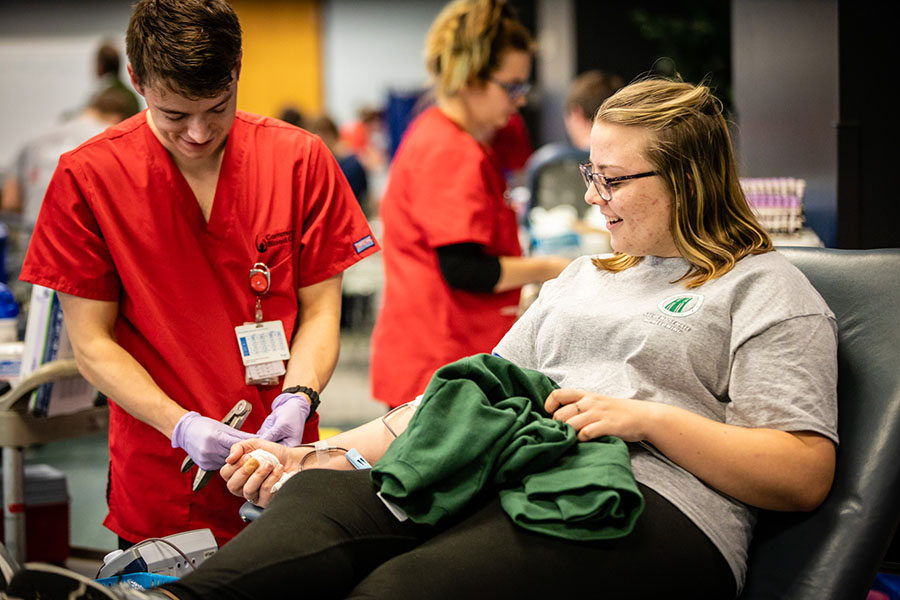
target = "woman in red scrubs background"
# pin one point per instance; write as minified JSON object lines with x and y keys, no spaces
{"x":452,"y":260}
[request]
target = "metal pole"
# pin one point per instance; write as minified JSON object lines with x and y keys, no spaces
{"x":14,"y":502}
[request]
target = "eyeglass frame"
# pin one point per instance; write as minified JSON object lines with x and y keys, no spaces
{"x":601,"y":181}
{"x":513,"y":89}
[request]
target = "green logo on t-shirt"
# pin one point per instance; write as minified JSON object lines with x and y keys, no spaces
{"x":681,"y":305}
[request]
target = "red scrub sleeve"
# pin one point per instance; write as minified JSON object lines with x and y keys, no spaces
{"x":67,"y":251}
{"x":335,"y":233}
{"x":453,"y":202}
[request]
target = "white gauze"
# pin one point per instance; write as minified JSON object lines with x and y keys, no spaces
{"x":264,"y":456}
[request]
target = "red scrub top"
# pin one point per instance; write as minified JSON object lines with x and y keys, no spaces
{"x":120,"y":223}
{"x":444,"y":188}
{"x":511,"y":144}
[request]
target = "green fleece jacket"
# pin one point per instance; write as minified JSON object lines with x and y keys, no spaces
{"x":481,"y":427}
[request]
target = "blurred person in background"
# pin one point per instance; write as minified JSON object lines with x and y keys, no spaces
{"x":452,"y":260}
{"x":324,"y":127}
{"x":25,"y":184}
{"x":24,"y":187}
{"x":108,"y":69}
{"x":366,"y":138}
{"x":586,"y":93}
{"x":357,"y":298}
{"x":292,"y":115}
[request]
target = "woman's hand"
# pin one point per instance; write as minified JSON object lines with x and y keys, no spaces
{"x":595,"y":415}
{"x":767,"y":468}
{"x":251,"y":479}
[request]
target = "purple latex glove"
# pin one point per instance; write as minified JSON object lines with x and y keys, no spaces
{"x":288,"y":420}
{"x":206,"y":441}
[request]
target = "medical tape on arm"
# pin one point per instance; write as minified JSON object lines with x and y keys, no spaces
{"x":321,"y":448}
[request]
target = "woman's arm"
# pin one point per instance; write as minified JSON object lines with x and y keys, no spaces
{"x":768,"y":468}
{"x":254,"y":481}
{"x":466,"y":266}
{"x":516,"y":271}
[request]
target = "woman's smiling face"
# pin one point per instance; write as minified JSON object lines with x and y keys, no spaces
{"x":639,"y":214}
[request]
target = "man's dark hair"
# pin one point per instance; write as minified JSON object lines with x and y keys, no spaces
{"x":590,"y":90}
{"x":190,"y":46}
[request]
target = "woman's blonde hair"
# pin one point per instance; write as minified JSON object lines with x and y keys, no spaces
{"x":712,"y":224}
{"x":467,"y":40}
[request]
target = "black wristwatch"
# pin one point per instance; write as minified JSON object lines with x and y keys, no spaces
{"x":311,"y":393}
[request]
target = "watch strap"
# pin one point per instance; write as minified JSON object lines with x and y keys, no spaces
{"x":312,"y":394}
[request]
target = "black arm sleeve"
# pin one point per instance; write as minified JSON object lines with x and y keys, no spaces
{"x":466,"y":267}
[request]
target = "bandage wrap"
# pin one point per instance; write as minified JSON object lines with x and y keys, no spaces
{"x":264,"y":456}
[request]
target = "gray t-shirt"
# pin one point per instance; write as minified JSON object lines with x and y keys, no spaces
{"x":756,"y":347}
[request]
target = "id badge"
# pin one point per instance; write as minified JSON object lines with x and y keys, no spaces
{"x":262,"y":342}
{"x":258,"y":344}
{"x":264,"y":374}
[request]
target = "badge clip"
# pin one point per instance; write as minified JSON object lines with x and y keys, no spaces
{"x":260,"y":279}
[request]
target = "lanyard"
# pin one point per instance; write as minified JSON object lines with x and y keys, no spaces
{"x":262,"y":344}
{"x":260,"y":280}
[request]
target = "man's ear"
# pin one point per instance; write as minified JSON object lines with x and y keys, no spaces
{"x":237,"y":74}
{"x":134,"y":80}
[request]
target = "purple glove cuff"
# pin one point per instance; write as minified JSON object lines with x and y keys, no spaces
{"x":287,"y":421}
{"x":282,"y":399}
{"x":178,"y":432}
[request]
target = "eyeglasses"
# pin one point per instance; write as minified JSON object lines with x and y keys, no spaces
{"x":514,"y":89}
{"x":602,"y":184}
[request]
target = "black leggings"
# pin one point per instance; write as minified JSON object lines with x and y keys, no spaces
{"x":326,"y":535}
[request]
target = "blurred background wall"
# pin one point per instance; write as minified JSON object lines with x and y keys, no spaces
{"x":785,"y":68}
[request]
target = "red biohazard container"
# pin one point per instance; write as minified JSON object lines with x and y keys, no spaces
{"x":46,"y":515}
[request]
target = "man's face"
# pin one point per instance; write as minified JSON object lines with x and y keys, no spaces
{"x":191,"y":130}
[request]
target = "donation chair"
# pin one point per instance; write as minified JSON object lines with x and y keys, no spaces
{"x":554,"y":178}
{"x":835,"y":551}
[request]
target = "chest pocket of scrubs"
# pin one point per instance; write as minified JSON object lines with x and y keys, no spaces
{"x":278,"y":256}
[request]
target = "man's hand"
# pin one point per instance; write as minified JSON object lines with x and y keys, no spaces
{"x":206,"y":441}
{"x":288,"y":420}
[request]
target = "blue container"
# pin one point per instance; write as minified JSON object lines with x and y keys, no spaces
{"x":9,"y":308}
{"x":4,"y":235}
{"x":144,"y":580}
{"x":9,"y":312}
{"x":888,"y":584}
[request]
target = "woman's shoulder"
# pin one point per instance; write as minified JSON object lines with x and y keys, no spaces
{"x":769,"y":281}
{"x":580,"y":267}
{"x":772,"y":266}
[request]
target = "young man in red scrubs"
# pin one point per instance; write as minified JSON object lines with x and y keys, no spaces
{"x":174,"y":235}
